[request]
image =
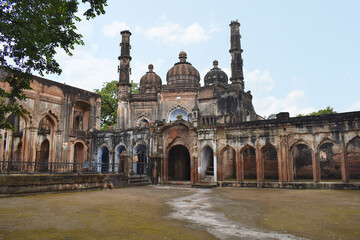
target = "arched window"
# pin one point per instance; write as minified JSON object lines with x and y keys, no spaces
{"x":177,"y":114}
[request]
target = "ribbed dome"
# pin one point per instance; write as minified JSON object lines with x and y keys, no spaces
{"x":215,"y":75}
{"x":150,"y":82}
{"x":183,"y":74}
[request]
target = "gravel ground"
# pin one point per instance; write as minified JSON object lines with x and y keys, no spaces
{"x":163,"y":212}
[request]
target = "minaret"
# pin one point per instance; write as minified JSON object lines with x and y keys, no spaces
{"x":237,"y":76}
{"x":124,"y":84}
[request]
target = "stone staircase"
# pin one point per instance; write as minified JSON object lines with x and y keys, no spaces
{"x":136,"y":180}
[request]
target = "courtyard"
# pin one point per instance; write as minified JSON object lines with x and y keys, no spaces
{"x":166,"y":212}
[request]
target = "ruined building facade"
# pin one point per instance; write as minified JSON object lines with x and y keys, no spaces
{"x":55,"y":135}
{"x":176,"y":131}
{"x":179,"y":131}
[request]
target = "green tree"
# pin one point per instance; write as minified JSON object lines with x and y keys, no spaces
{"x":108,"y":104}
{"x":30,"y":33}
{"x":134,"y":87}
{"x":109,"y":100}
{"x":327,"y":110}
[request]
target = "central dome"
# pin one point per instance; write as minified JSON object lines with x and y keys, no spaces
{"x":150,"y":82}
{"x":183,"y":74}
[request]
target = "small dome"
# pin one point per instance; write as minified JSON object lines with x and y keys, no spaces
{"x":150,"y":82}
{"x":183,"y":74}
{"x":215,"y":75}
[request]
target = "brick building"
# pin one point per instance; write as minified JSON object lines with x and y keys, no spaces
{"x":179,"y":131}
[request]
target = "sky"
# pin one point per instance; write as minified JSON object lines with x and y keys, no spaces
{"x":299,"y":56}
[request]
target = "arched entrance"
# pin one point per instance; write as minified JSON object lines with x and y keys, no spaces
{"x":141,"y":165}
{"x":229,"y":163}
{"x":43,"y":156}
{"x":103,"y":160}
{"x":179,"y":164}
{"x":119,"y":165}
{"x":248,"y":155}
{"x":353,"y":158}
{"x":79,"y":156}
{"x":270,"y":159}
{"x":302,"y":160}
{"x":330,"y":161}
{"x":207,"y":162}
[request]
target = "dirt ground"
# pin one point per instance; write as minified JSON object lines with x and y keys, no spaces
{"x":156,"y":212}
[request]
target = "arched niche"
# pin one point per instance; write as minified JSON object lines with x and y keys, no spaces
{"x":103,"y":160}
{"x":179,"y":164}
{"x":140,"y":166}
{"x":353,"y":158}
{"x":119,"y":165}
{"x":79,"y":157}
{"x":330,"y":161}
{"x":270,"y":160}
{"x":248,"y":155}
{"x":42,"y":163}
{"x":178,"y":113}
{"x":301,"y":156}
{"x":207,"y":162}
{"x":81,"y":115}
{"x":228,"y":162}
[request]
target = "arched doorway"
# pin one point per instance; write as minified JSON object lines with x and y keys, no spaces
{"x":270,"y":159}
{"x":43,"y":156}
{"x":249,"y":163}
{"x":302,"y":162}
{"x":119,"y":165}
{"x":330,"y":161}
{"x":229,"y":164}
{"x":353,"y":158}
{"x":103,"y":160}
{"x":79,"y":156}
{"x":179,"y":164}
{"x":141,"y":165}
{"x":207,"y":162}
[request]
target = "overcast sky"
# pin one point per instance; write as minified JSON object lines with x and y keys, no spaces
{"x":299,"y":56}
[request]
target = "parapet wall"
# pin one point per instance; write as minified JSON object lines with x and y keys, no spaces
{"x":24,"y":184}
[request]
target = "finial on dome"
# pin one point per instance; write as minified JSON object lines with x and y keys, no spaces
{"x":182,"y":56}
{"x":215,"y":63}
{"x":151,"y":67}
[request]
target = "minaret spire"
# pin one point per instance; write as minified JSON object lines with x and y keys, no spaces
{"x":237,"y":75}
{"x":124,"y":85}
{"x":125,"y":58}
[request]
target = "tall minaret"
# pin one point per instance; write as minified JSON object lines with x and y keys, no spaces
{"x":124,"y":84}
{"x":237,"y":76}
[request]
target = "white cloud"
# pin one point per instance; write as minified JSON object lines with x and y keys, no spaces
{"x":139,"y":68}
{"x":173,"y":34}
{"x":261,"y":85}
{"x":113,"y":29}
{"x":290,"y":103}
{"x":260,"y":81}
{"x":354,"y":107}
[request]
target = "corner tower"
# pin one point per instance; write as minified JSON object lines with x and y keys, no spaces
{"x":124,"y":84}
{"x":237,"y":76}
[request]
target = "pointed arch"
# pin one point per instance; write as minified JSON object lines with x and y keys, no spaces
{"x":271,"y":163}
{"x":228,"y":163}
{"x":353,"y":158}
{"x":329,"y":155}
{"x":248,"y":159}
{"x":301,"y":156}
{"x":207,"y":162}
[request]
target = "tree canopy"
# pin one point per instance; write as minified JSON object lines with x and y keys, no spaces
{"x":108,"y":104}
{"x":327,"y":110}
{"x":31,"y":31}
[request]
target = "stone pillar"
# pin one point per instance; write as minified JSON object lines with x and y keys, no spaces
{"x":238,"y":168}
{"x":316,"y":166}
{"x":344,"y":166}
{"x":259,"y":167}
